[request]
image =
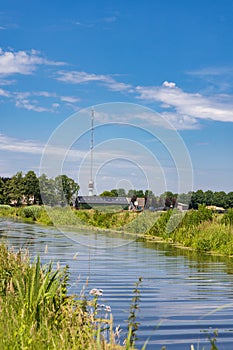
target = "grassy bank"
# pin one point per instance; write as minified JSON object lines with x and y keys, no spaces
{"x":201,"y":230}
{"x":37,"y":313}
{"x":132,"y":222}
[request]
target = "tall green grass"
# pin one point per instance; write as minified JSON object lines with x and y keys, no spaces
{"x":37,"y":313}
{"x":198,"y":229}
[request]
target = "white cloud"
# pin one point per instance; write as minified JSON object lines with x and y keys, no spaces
{"x":4,"y":82}
{"x":26,"y":100}
{"x":69,"y":99}
{"x":44,"y":94}
{"x":189,"y":107}
{"x":22,"y":62}
{"x":169,"y":84}
{"x":212,"y":71}
{"x":12,"y":144}
{"x":76,"y":77}
{"x":33,"y":106}
{"x":15,"y":145}
{"x":4,"y":93}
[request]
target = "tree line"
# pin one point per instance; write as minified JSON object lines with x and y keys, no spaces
{"x":29,"y":189}
{"x":169,"y":199}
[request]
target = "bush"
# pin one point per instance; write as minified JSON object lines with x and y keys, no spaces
{"x":227,"y":218}
{"x":33,"y":212}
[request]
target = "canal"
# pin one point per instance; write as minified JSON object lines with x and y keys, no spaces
{"x":185,"y":297}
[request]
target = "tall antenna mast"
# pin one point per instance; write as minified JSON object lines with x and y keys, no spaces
{"x":91,"y":182}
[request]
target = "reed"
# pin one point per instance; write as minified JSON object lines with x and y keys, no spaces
{"x":199,"y":229}
{"x":37,"y":313}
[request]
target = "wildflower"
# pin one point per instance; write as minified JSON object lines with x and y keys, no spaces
{"x":108,"y":308}
{"x":105,"y":307}
{"x":96,"y":292}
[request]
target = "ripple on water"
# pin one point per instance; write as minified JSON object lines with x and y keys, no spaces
{"x":183,"y":297}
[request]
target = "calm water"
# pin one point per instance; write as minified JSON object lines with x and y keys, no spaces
{"x":184,"y":297}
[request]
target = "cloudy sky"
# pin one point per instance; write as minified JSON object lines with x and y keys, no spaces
{"x":173,"y":57}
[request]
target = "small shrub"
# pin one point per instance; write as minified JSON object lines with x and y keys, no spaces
{"x":227,"y":218}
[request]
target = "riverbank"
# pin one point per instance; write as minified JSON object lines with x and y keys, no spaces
{"x":37,"y":312}
{"x":201,"y":230}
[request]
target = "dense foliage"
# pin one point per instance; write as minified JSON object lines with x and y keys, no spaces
{"x":199,"y":229}
{"x":30,"y":189}
{"x":169,"y":199}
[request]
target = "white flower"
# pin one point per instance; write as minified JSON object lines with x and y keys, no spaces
{"x":96,"y":292}
{"x":108,"y":308}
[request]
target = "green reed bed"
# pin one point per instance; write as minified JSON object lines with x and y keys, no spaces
{"x":67,"y":216}
{"x":37,"y":313}
{"x":200,"y":229}
{"x":34,"y":213}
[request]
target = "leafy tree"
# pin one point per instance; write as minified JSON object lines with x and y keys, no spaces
{"x":137,"y":193}
{"x":220,"y":199}
{"x":140,"y":194}
{"x":131,"y":193}
{"x":65,"y":188}
{"x":114,"y":192}
{"x":209,"y":197}
{"x":6,"y":190}
{"x":2,"y":185}
{"x":15,"y":189}
{"x":121,"y":192}
{"x":197,"y":198}
{"x":229,"y":200}
{"x":107,"y":194}
{"x":184,"y":198}
{"x":31,"y":187}
{"x":47,"y":190}
{"x":149,"y":193}
{"x":169,"y":199}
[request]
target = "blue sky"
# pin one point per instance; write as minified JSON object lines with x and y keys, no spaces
{"x":175,"y":57}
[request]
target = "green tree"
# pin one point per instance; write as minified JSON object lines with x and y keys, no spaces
{"x":47,"y":190}
{"x":65,"y":188}
{"x":197,"y":198}
{"x":220,"y":199}
{"x":209,"y":197}
{"x":114,"y":192}
{"x":184,"y":198}
{"x":169,"y":199}
{"x":15,"y":189}
{"x":31,"y":188}
{"x":2,"y":186}
{"x":229,"y":200}
{"x":6,"y":190}
{"x":149,"y":193}
{"x":140,"y":193}
{"x":131,"y":193}
{"x":107,"y":194}
{"x":121,"y":192}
